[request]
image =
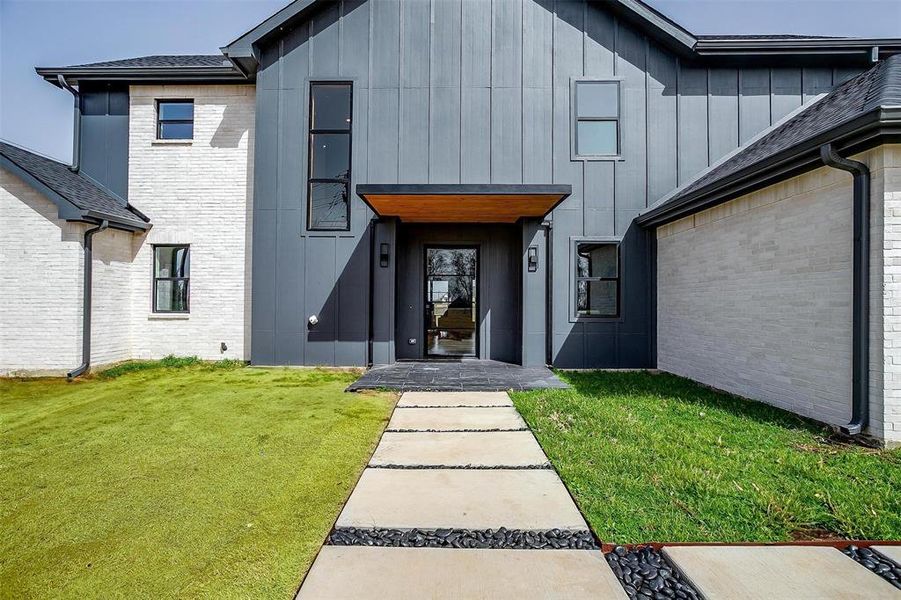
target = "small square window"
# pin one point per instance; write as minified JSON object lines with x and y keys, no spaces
{"x":597,"y":279}
{"x":596,"y":114}
{"x":175,"y":119}
{"x":171,"y":278}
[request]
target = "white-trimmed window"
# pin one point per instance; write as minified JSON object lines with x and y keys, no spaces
{"x":596,"y":118}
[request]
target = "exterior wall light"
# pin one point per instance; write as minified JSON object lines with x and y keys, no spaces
{"x":384,"y":255}
{"x":533,"y":259}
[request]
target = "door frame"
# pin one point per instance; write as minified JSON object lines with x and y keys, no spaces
{"x":478,"y":297}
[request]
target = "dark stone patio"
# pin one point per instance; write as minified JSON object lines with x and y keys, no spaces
{"x":457,"y":376}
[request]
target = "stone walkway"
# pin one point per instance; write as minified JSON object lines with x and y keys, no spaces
{"x":460,"y":471}
{"x":459,"y":501}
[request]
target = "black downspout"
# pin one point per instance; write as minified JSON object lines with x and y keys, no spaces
{"x":86,"y":301}
{"x":860,"y":393}
{"x":76,"y":133}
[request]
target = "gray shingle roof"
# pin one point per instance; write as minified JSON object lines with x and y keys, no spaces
{"x":160,"y":61}
{"x":767,"y":36}
{"x":879,"y":87}
{"x":76,"y":188}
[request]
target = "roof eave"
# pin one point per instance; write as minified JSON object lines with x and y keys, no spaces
{"x":243,"y":51}
{"x":142,"y":74}
{"x":852,"y":136}
{"x":66,"y":210}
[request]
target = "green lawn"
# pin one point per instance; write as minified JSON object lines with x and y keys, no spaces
{"x":659,"y":458}
{"x":209,"y":480}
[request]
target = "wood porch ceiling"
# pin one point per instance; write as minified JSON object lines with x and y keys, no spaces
{"x":464,"y":203}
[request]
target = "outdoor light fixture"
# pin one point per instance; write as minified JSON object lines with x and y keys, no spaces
{"x":533,"y":259}
{"x":384,"y":254}
{"x":314,"y":320}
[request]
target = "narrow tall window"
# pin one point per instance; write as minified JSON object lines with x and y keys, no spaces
{"x":597,"y":279}
{"x":175,"y":119}
{"x":596,"y":118}
{"x":328,"y":186}
{"x":171,"y":278}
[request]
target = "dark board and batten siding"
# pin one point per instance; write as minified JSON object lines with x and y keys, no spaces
{"x":478,"y":91}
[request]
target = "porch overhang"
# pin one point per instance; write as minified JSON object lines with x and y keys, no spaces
{"x":462,"y":203}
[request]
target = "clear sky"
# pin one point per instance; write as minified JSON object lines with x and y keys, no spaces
{"x":33,"y":33}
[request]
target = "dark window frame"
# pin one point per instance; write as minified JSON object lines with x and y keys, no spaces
{"x":576,"y":119}
{"x":311,"y":131}
{"x":161,"y":121}
{"x":574,"y":314}
{"x":157,"y":279}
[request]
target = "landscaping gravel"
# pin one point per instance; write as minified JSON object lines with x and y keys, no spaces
{"x":503,"y":538}
{"x":877,"y":563}
{"x":646,"y":575}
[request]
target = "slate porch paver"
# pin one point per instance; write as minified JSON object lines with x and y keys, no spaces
{"x":417,"y":573}
{"x":454,"y":399}
{"x":777,"y":572}
{"x":455,"y":419}
{"x":462,"y":375}
{"x":460,"y":498}
{"x":482,"y":449}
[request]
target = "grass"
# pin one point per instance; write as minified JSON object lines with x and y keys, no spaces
{"x":176,"y":478}
{"x":660,"y":458}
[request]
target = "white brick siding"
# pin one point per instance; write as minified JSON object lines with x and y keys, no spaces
{"x":41,"y":286}
{"x":754,"y":297}
{"x":198,"y":194}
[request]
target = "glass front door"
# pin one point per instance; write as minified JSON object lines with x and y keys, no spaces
{"x":451,"y":306}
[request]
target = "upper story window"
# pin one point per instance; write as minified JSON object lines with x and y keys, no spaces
{"x":328,"y":184}
{"x":171,"y":278}
{"x":597,"y":279}
{"x":175,"y":119}
{"x":596,"y":115}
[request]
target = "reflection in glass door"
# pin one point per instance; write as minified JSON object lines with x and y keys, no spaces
{"x":451,"y":307}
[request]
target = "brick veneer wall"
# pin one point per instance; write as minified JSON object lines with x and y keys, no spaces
{"x":41,"y":287}
{"x":199,"y":193}
{"x":754,"y":296}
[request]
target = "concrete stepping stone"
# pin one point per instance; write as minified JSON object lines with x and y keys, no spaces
{"x":417,"y":573}
{"x":777,"y":572}
{"x":460,"y":498}
{"x":451,"y":399}
{"x":456,"y":419}
{"x":450,"y":449}
{"x":891,"y":552}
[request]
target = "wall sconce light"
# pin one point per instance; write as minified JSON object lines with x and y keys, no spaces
{"x":533,"y":259}
{"x":384,"y":254}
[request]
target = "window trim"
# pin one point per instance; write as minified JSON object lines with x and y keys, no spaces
{"x":574,"y":242}
{"x":153,"y":308}
{"x":350,"y":154}
{"x":574,"y":119}
{"x":160,"y":121}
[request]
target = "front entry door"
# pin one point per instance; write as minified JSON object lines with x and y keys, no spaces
{"x":451,"y":304}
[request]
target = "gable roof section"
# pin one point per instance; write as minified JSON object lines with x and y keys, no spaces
{"x":77,"y":196}
{"x":180,"y":67}
{"x":854,"y":116}
{"x":244,"y":51}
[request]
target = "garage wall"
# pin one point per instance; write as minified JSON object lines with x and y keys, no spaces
{"x":754,"y":297}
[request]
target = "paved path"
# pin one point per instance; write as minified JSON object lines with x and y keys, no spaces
{"x":462,"y":463}
{"x":462,"y":467}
